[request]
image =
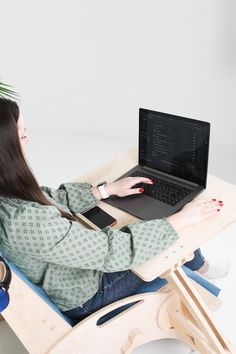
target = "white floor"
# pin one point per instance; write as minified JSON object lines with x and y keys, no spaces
{"x":59,"y":158}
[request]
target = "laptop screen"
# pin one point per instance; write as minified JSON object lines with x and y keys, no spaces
{"x":174,"y":145}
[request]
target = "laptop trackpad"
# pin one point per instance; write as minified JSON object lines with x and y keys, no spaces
{"x":142,"y":206}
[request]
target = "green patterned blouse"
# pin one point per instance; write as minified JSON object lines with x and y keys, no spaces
{"x":63,"y":257}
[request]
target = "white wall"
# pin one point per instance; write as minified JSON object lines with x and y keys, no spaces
{"x":87,"y":66}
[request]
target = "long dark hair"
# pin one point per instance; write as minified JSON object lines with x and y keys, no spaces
{"x":16,"y":178}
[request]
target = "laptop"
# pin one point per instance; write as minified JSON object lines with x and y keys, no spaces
{"x":173,"y":152}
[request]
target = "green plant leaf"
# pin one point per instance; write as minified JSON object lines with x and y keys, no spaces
{"x":6,"y":91}
{"x":5,"y":95}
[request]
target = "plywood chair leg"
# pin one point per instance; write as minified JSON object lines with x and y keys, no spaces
{"x":212,"y":340}
{"x":189,"y":331}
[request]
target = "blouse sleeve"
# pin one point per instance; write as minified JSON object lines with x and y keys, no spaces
{"x":76,"y":196}
{"x":43,"y":234}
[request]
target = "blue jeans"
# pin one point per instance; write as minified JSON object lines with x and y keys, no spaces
{"x":197,"y":261}
{"x":118,"y":285}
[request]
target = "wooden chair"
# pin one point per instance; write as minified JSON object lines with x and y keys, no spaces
{"x":180,"y":310}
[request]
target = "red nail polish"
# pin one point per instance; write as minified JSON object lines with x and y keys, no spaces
{"x":141,"y":190}
{"x":214,"y":200}
{"x":220,"y":204}
{"x":220,"y":201}
{"x":218,"y":209}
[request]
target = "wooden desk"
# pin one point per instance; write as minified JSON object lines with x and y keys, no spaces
{"x":205,"y":334}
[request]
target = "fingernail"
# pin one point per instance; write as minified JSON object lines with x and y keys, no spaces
{"x":221,"y":204}
{"x":218,"y":209}
{"x":141,"y":190}
{"x":214,"y":200}
{"x":220,"y":201}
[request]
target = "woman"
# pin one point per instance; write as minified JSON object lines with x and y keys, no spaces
{"x":81,"y":270}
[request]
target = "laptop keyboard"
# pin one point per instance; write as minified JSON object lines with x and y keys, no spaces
{"x":165,"y":191}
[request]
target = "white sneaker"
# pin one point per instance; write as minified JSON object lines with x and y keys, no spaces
{"x":217,"y":270}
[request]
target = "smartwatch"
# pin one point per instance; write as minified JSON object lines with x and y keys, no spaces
{"x":101,"y":188}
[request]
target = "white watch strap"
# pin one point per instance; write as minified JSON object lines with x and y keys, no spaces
{"x":103,"y":191}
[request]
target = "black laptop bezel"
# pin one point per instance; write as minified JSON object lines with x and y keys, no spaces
{"x":207,"y":124}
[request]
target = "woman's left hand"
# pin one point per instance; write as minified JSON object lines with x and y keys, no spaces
{"x":123,"y":187}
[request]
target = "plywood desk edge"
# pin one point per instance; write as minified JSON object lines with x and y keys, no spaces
{"x":190,"y":238}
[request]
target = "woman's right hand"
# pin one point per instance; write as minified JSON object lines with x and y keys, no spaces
{"x":195,"y":212}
